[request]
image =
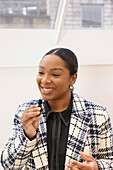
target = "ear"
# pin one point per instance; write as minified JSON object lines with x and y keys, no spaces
{"x":73,"y":79}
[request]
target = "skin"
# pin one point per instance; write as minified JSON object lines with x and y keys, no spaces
{"x":54,"y":81}
{"x":90,"y":163}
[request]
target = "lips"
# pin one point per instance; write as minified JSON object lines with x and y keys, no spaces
{"x":47,"y":90}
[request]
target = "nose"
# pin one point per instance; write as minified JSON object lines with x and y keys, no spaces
{"x":46,"y":79}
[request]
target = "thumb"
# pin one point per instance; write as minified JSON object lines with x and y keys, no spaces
{"x":86,"y":157}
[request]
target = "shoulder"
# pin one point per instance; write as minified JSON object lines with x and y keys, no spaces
{"x":87,"y":103}
{"x":89,"y":106}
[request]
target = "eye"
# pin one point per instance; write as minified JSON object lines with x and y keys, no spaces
{"x":55,"y":74}
{"x":41,"y":72}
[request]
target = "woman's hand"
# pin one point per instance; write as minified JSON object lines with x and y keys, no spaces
{"x":90,"y":163}
{"x":30,"y":120}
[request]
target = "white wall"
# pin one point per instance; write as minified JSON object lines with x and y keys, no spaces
{"x":20,"y":48}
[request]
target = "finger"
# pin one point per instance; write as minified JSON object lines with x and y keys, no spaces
{"x":33,"y":109}
{"x":35,"y":106}
{"x":70,"y":167}
{"x":79,"y":165}
{"x":42,"y":108}
{"x":26,"y":116}
{"x":30,"y":121}
{"x":85,"y":166}
{"x":86,"y":157}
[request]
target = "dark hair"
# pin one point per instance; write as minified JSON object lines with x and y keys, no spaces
{"x":68,"y":56}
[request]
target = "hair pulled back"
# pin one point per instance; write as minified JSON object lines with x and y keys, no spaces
{"x":68,"y":56}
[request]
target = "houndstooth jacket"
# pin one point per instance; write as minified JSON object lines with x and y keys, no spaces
{"x":90,"y":131}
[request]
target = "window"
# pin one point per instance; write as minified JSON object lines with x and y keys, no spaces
{"x":91,"y":16}
{"x":42,"y":14}
{"x":27,"y":13}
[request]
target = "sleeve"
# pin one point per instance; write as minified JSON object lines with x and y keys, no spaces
{"x":105,"y":152}
{"x":18,"y":148}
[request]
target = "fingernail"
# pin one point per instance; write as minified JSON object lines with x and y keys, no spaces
{"x":67,"y":168}
{"x":71,"y":161}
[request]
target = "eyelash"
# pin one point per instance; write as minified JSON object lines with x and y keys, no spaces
{"x":54,"y":74}
{"x":40,"y":72}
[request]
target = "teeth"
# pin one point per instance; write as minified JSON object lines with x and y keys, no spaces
{"x":47,"y":89}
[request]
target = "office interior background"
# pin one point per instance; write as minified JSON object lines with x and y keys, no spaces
{"x":28,"y":29}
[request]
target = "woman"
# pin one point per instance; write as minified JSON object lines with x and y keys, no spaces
{"x":71,"y":132}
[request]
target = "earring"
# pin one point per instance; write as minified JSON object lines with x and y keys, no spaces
{"x":71,"y":87}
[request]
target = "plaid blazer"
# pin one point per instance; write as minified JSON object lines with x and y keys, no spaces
{"x":90,"y":131}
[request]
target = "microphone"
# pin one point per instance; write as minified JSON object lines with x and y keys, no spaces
{"x":40,"y":105}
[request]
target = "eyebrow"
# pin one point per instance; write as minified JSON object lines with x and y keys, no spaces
{"x":52,"y":69}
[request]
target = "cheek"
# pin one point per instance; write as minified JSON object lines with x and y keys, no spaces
{"x":66,"y":83}
{"x":63,"y":84}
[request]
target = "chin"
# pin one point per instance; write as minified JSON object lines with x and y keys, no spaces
{"x":46,"y":97}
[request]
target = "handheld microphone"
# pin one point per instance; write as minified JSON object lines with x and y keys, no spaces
{"x":40,"y":105}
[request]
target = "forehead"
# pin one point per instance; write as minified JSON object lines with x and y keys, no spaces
{"x":53,"y":61}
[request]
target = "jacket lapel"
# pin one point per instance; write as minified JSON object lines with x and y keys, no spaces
{"x":40,"y":152}
{"x":78,"y":129}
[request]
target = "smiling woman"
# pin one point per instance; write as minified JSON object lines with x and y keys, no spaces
{"x":71,"y":132}
{"x":54,"y":80}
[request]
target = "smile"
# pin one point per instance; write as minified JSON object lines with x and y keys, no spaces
{"x":47,"y":90}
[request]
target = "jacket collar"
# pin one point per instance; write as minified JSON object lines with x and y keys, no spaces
{"x":79,"y":124}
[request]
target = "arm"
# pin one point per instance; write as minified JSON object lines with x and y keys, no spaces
{"x":19,"y":147}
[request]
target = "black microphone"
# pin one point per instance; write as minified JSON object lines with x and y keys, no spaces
{"x":40,"y":105}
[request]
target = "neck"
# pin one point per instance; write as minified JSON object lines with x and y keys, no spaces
{"x":60,"y":104}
